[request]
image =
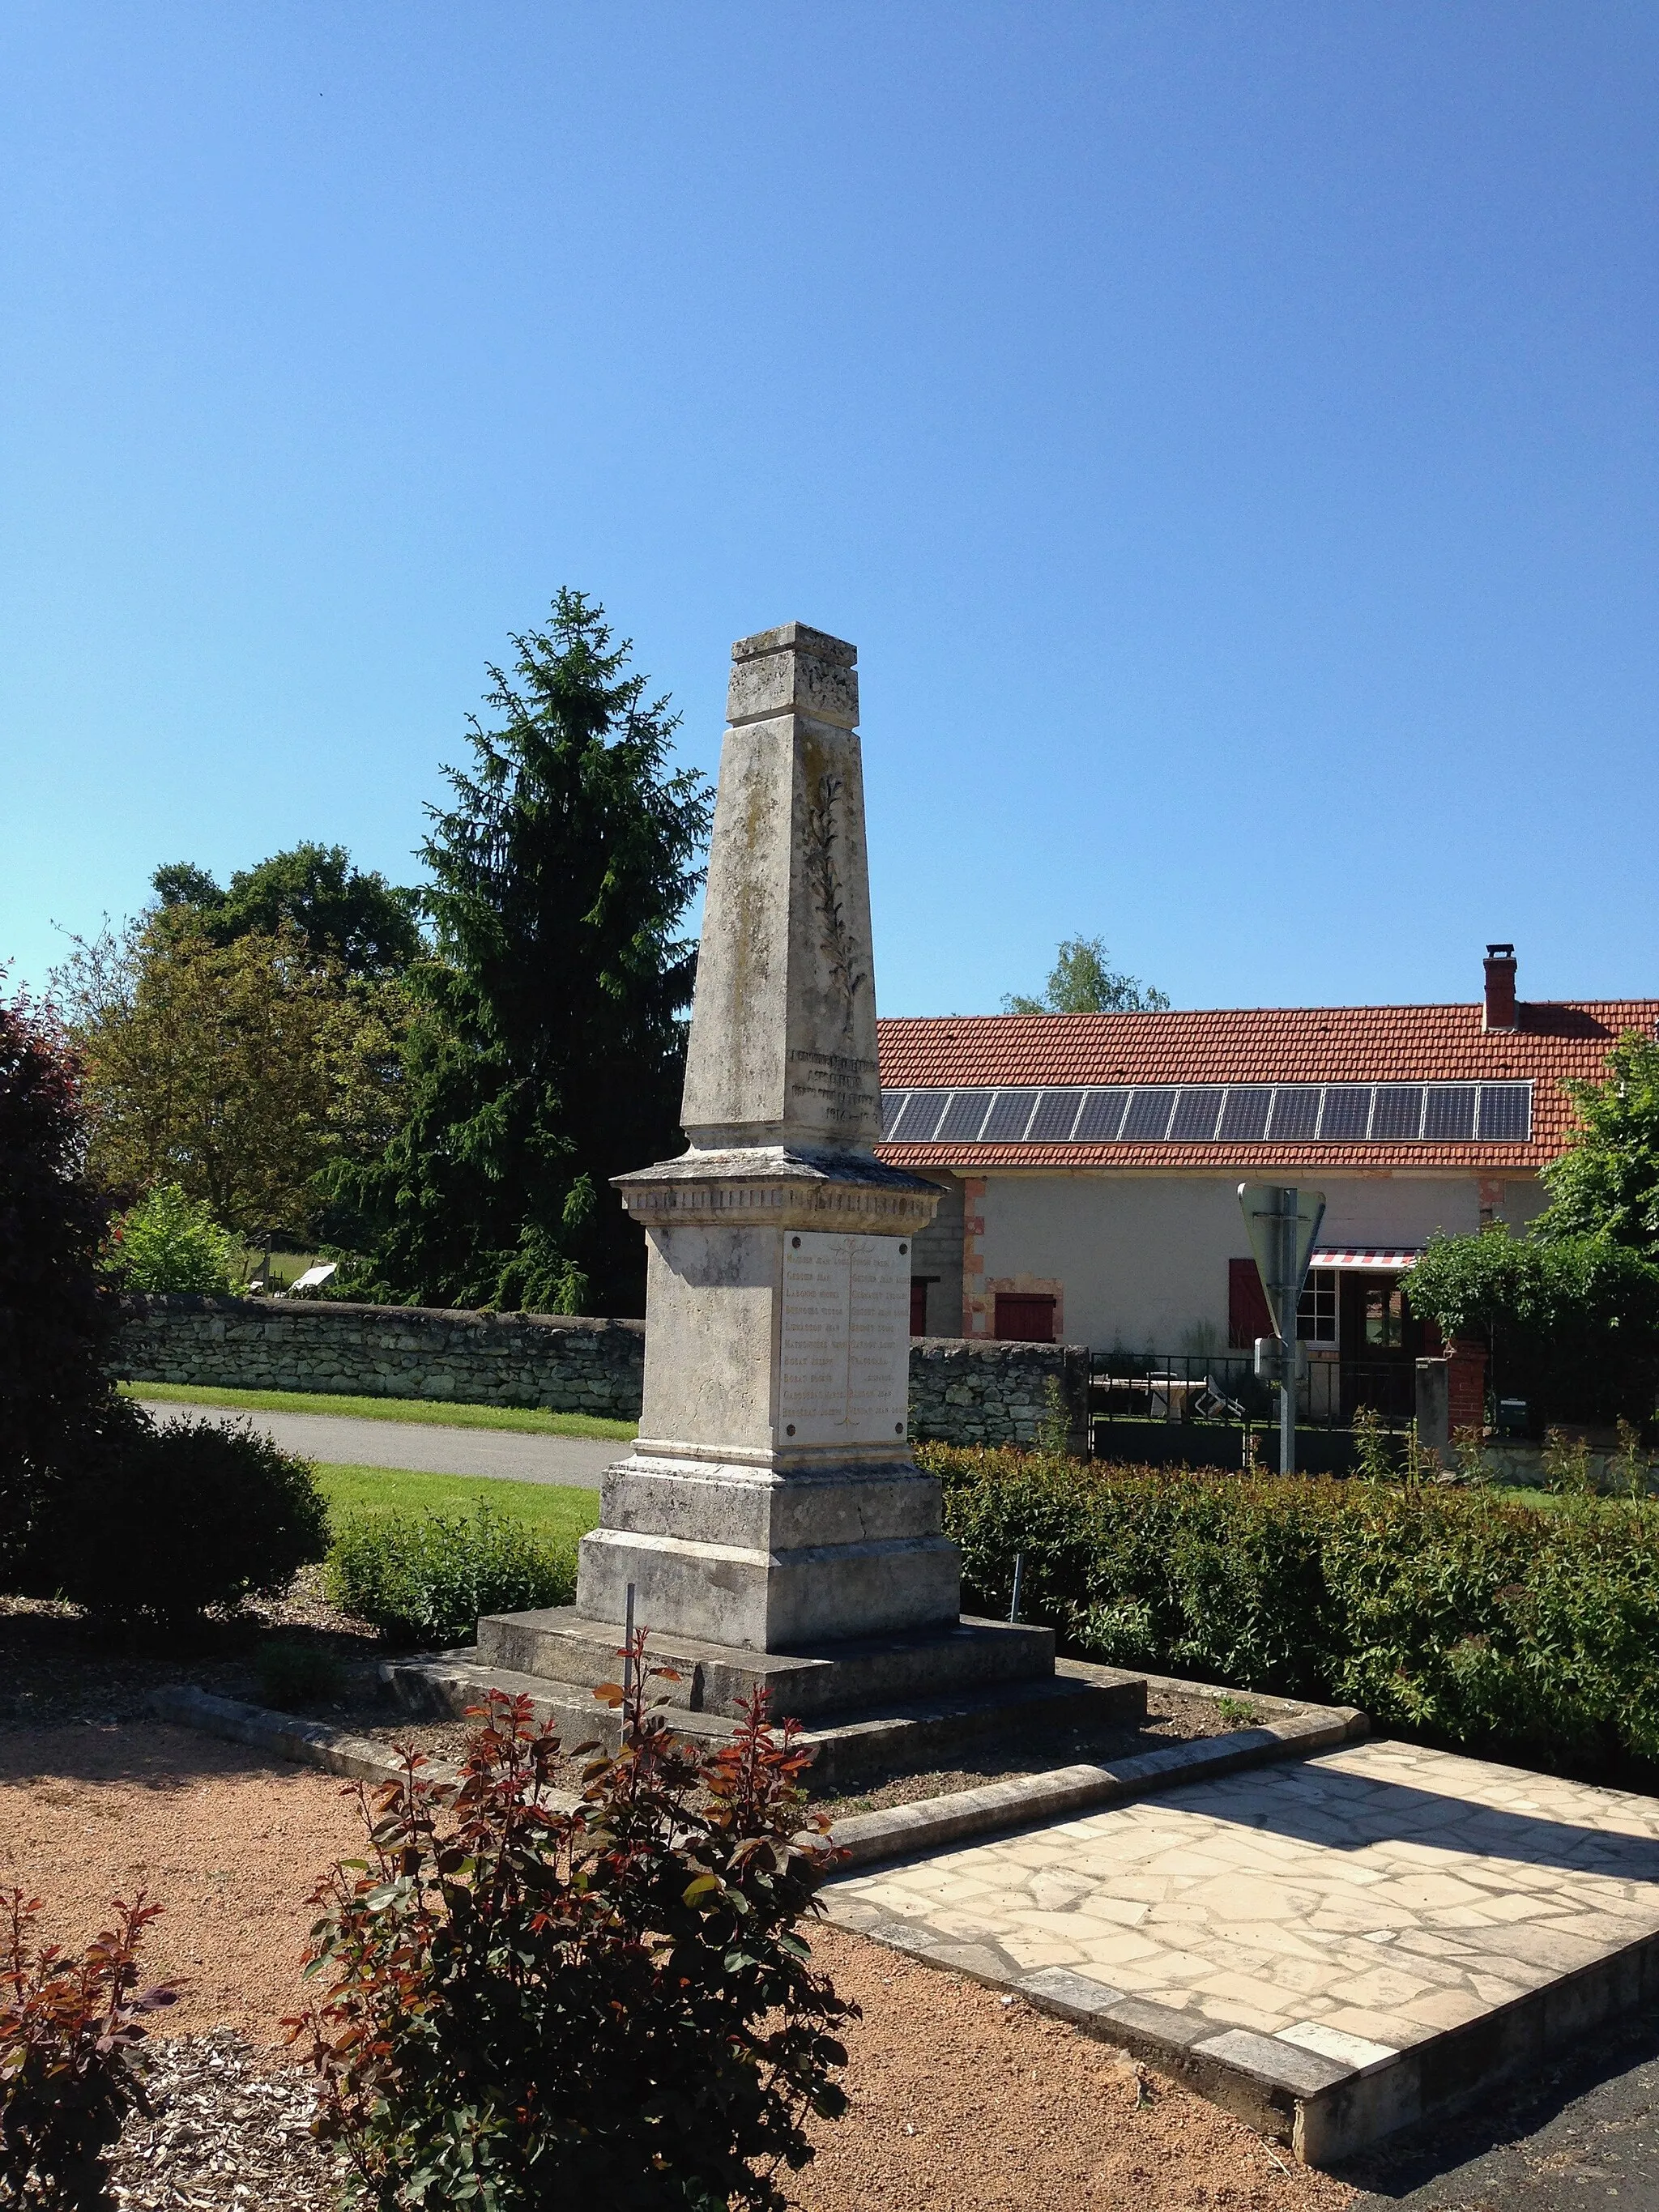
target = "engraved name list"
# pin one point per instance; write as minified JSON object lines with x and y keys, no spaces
{"x":845,"y":1349}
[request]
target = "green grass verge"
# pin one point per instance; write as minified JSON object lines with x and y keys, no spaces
{"x":562,"y":1514}
{"x":426,"y":1411}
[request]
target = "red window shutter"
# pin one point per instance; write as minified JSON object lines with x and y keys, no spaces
{"x":1022,"y":1318}
{"x":1248,"y":1317}
{"x":918,"y":1305}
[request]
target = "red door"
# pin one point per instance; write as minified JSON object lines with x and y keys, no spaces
{"x":918,"y":1305}
{"x":1024,"y":1318}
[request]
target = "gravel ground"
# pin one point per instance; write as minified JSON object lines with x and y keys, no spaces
{"x":53,"y":1669}
{"x":1170,"y":1718}
{"x":961,"y":2102}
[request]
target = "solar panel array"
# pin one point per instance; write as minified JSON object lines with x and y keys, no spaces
{"x":1215,"y":1113}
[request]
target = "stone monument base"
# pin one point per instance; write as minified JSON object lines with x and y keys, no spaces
{"x":866,"y":1705}
{"x":748,"y":1555}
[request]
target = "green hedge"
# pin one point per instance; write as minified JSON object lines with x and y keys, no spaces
{"x":1460,"y":1614}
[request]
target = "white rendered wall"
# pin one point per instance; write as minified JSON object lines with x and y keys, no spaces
{"x":1142,"y":1255}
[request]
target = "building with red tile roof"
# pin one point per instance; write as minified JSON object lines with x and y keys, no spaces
{"x":1090,"y":1162}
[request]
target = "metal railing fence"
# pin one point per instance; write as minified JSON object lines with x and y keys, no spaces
{"x":1220,"y":1390}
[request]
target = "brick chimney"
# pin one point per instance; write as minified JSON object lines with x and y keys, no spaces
{"x":1499,"y":1012}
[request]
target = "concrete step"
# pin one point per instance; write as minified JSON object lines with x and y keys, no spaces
{"x":849,"y":1747}
{"x":558,"y":1643}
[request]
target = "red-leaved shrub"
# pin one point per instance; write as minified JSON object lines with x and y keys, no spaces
{"x":67,"y":2026}
{"x":529,"y":2004}
{"x":56,"y":1324}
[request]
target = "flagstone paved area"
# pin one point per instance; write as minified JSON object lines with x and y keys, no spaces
{"x":1353,"y":1903}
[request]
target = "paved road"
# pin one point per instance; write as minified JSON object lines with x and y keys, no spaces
{"x":503,"y":1455}
{"x":1582,"y":2134}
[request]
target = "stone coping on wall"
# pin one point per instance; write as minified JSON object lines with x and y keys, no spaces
{"x":139,"y":1304}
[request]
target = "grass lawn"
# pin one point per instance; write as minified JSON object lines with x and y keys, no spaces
{"x":554,"y":1512}
{"x":430,"y":1412}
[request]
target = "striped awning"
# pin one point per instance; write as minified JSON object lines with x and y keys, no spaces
{"x":1379,"y":1259}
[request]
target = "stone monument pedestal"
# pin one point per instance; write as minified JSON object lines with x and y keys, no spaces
{"x":771,"y":1502}
{"x":868,"y":1705}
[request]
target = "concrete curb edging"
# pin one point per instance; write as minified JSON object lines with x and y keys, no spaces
{"x":898,"y":1830}
{"x":864,"y":1838}
{"x":306,"y":1743}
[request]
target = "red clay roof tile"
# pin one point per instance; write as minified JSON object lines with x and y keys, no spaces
{"x":1554,"y":1042}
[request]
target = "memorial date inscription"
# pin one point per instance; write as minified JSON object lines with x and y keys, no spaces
{"x":845,"y":1355}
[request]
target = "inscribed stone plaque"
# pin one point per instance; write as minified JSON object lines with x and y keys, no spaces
{"x":845,"y":1358}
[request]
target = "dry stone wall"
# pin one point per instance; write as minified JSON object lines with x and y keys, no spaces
{"x":965,"y":1392}
{"x":565,"y":1364}
{"x":960,"y":1393}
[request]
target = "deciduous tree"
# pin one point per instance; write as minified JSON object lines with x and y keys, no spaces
{"x":1081,"y":982}
{"x":54,"y":1325}
{"x":353,"y":918}
{"x":1607,"y":1184}
{"x":236,"y":1071}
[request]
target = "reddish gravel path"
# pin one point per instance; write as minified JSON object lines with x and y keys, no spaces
{"x":960,"y":2103}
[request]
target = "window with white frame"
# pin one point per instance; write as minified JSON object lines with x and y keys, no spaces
{"x":1316,"y":1312}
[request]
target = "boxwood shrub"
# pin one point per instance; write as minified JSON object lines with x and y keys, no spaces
{"x":1459,"y":1614}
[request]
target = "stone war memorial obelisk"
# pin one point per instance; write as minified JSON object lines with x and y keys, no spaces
{"x":771,"y":1500}
{"x":770,"y":1523}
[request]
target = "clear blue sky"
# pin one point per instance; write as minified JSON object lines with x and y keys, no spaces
{"x":1227,"y":432}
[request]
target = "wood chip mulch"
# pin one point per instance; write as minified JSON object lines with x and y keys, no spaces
{"x":223,"y":2133}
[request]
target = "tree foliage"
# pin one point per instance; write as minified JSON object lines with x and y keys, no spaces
{"x":1572,"y":1322}
{"x":547,"y":1052}
{"x":1607,"y":1184}
{"x":354,"y":921}
{"x":55,"y":1323}
{"x":1081,"y":981}
{"x":171,"y":1242}
{"x":236,"y":1071}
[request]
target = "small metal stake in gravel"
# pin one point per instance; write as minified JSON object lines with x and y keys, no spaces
{"x":627,"y":1646}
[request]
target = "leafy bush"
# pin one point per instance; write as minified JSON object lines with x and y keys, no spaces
{"x":425,"y":1578}
{"x":54,"y":1325}
{"x":66,"y":2028}
{"x":609,"y":2006}
{"x":170,"y":1242}
{"x":1572,"y":1323}
{"x":165,"y":1522}
{"x":1455,"y":1613}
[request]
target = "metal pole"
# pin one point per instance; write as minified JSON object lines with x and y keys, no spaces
{"x":1287,"y":1318}
{"x":628,"y":1647}
{"x":1013,"y":1607}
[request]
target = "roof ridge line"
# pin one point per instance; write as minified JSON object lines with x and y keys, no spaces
{"x":1369,"y":1007}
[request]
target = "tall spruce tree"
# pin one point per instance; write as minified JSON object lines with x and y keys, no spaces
{"x":548,"y":1048}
